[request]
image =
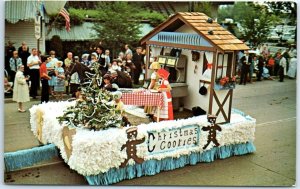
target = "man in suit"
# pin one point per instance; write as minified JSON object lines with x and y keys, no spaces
{"x":101,"y":60}
{"x":246,"y":62}
{"x":137,"y":60}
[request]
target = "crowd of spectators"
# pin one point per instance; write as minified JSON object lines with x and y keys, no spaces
{"x":49,"y":72}
{"x":262,"y":64}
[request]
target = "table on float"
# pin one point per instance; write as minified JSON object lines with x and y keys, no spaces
{"x":145,"y":97}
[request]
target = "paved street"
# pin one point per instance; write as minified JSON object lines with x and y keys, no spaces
{"x":272,"y":103}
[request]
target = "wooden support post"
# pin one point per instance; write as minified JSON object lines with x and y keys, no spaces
{"x":234,"y":63}
{"x":212,"y":81}
{"x":147,"y":61}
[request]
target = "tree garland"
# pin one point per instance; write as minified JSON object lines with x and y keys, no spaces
{"x":95,"y":110}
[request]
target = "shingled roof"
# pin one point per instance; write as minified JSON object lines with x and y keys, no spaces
{"x":221,"y":38}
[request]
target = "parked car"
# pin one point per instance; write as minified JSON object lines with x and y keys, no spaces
{"x":273,"y":37}
{"x":287,"y":36}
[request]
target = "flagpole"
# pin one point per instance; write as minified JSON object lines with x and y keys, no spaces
{"x":51,"y":26}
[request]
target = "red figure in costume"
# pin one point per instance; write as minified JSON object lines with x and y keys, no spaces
{"x":166,"y":89}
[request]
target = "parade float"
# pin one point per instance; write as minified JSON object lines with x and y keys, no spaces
{"x":93,"y":140}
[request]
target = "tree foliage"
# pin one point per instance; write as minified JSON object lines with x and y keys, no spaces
{"x":254,"y":18}
{"x":80,"y":11}
{"x":283,"y":7}
{"x":204,"y":7}
{"x":118,"y":26}
{"x":56,"y":45}
{"x":96,"y":109}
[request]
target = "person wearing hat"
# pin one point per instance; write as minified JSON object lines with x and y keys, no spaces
{"x":119,"y":105}
{"x":114,"y":66}
{"x":117,"y":101}
{"x":153,"y":85}
{"x":85,"y":59}
{"x":166,"y":112}
{"x":94,"y":59}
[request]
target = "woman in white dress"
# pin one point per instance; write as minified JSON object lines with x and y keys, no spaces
{"x":292,"y":67}
{"x":21,"y":90}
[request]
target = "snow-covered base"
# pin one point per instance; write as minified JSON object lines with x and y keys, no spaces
{"x":97,"y":154}
{"x":152,"y":167}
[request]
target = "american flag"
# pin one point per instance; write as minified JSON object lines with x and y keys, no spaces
{"x":65,"y":14}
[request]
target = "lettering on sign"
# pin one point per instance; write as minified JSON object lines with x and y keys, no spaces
{"x":37,"y":27}
{"x":174,"y":139}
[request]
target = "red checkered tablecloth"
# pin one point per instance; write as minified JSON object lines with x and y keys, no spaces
{"x":144,"y":98}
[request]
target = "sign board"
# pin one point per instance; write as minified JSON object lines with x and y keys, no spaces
{"x":171,"y":61}
{"x":37,"y":27}
{"x":162,"y":60}
{"x":173,"y":139}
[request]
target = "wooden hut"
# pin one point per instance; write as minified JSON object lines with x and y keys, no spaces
{"x":197,"y":51}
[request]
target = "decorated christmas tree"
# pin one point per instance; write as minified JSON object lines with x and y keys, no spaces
{"x":95,"y":109}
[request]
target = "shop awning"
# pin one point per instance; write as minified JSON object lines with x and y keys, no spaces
{"x":23,"y":10}
{"x":84,"y":32}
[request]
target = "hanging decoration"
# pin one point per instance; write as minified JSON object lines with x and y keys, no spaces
{"x":195,"y":56}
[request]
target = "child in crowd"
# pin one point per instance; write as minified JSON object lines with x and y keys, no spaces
{"x":94,"y":59}
{"x":114,"y":66}
{"x":50,"y":68}
{"x":266,"y":74}
{"x":59,"y":86}
{"x":85,"y":59}
{"x":7,"y":85}
{"x":120,"y":106}
{"x":108,"y":85}
{"x":121,"y":65}
{"x":14,"y":63}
